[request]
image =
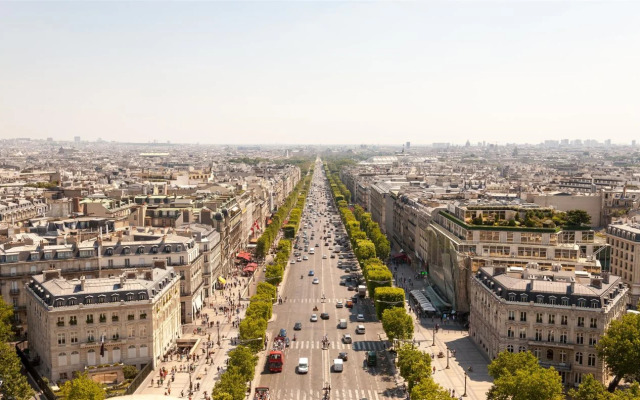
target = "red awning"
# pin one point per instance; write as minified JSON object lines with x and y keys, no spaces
{"x":248,"y":269}
{"x":254,"y":265}
{"x":244,"y":256}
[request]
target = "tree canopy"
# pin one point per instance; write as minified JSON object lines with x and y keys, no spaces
{"x":620,"y":348}
{"x":397,"y":324}
{"x":518,"y":376}
{"x":82,"y":388}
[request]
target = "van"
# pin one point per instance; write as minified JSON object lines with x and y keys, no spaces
{"x":343,"y":324}
{"x":360,"y":329}
{"x":338,"y":365}
{"x":303,"y":365}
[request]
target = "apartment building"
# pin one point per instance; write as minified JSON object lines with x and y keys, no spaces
{"x":76,"y":324}
{"x":624,"y":240}
{"x":558,"y":315}
{"x":18,"y":209}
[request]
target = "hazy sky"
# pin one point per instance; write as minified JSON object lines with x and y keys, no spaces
{"x":321,"y":72}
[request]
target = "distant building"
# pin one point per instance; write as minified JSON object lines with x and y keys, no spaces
{"x":76,"y":139}
{"x":625,"y":255}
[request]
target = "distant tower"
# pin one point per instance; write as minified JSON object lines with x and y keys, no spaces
{"x":633,"y":143}
{"x":408,"y":146}
{"x":76,"y":139}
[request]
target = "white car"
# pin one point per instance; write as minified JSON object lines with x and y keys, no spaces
{"x":324,"y":256}
{"x":305,"y":258}
{"x":339,"y":304}
{"x":316,"y":281}
{"x":314,"y":317}
{"x":360,"y":317}
{"x":293,"y":262}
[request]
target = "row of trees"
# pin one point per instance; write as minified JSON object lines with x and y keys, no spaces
{"x":415,"y":367}
{"x":265,"y":241}
{"x":519,"y":376}
{"x":15,"y":385}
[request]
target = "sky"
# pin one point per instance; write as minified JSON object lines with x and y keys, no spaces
{"x":325,"y":72}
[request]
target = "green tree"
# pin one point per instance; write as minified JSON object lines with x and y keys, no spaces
{"x":252,"y":329}
{"x":260,"y":309}
{"x":414,"y":365}
{"x":427,"y":389}
{"x":82,"y":388}
{"x":274,"y":274}
{"x":129,"y":371}
{"x":266,"y":288}
{"x":242,"y":358}
{"x":231,"y":382}
{"x":397,"y":324}
{"x":6,"y":312}
{"x":15,"y":384}
{"x":365,"y":250}
{"x":619,"y":347}
{"x":221,"y":396}
{"x":590,"y":389}
{"x":516,"y":378}
{"x":578,"y":218}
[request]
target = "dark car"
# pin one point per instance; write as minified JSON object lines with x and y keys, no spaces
{"x":297,"y":326}
{"x":311,"y":273}
{"x":343,"y":356}
{"x":283,"y":332}
{"x":324,"y":315}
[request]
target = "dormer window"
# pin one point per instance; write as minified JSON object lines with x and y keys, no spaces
{"x":126,"y":250}
{"x":59,"y":302}
{"x":167,"y":248}
{"x":101,"y":298}
{"x":154,"y":249}
{"x":142,"y":296}
{"x":140,"y":250}
{"x":524,"y":297}
{"x":552,"y":300}
{"x":512,"y":297}
{"x":88,"y":300}
{"x":115,"y":298}
{"x":565,"y":301}
{"x":595,"y":303}
{"x":64,"y":254}
{"x":11,"y":258}
{"x":109,"y":251}
{"x":34,"y":256}
{"x":179,"y":247}
{"x":582,"y":302}
{"x":48,"y":255}
{"x":540,"y":299}
{"x":129,"y":296}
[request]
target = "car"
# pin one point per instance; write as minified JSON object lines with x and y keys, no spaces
{"x":315,"y":281}
{"x":360,"y":317}
{"x":299,"y":259}
{"x":346,"y":338}
{"x":351,"y":288}
{"x":287,"y":342}
{"x":297,"y":326}
{"x":343,"y":282}
{"x":283,"y":332}
{"x":347,"y":270}
{"x":350,"y":303}
{"x":314,"y":318}
{"x":305,"y":258}
{"x":292,"y":262}
{"x":326,"y":244}
{"x":324,"y":256}
{"x":339,"y":304}
{"x":343,"y":356}
{"x":317,"y":244}
{"x":311,"y":273}
{"x":324,"y":315}
{"x":333,"y":256}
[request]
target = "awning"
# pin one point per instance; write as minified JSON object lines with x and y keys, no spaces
{"x":254,"y":265}
{"x":248,"y":269}
{"x":244,"y":255}
{"x":222,"y":280}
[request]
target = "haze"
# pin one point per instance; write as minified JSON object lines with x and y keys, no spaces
{"x":320,"y":72}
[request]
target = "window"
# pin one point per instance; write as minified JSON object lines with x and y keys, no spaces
{"x":591,"y":360}
{"x":115,"y":317}
{"x":33,"y":270}
{"x":73,"y":337}
{"x":103,"y":317}
{"x":132,"y":331}
{"x":563,"y":356}
{"x":62,"y":339}
{"x":565,"y":301}
{"x":510,"y":348}
{"x":115,"y":298}
{"x":523,"y":333}
{"x":563,"y":337}
{"x":154,"y":249}
{"x":538,"y":337}
{"x":536,"y":352}
{"x":593,"y":340}
{"x":595,"y":304}
{"x":109,"y":251}
{"x":552,"y":300}
{"x":578,"y":377}
{"x":143,"y":331}
{"x":551,"y":336}
{"x":89,"y":318}
{"x":593,"y":323}
{"x":549,"y":354}
{"x":73,"y":320}
{"x":579,"y":338}
{"x":88,"y":300}
{"x":564,"y":320}
{"x":512,"y":297}
{"x":179,"y":247}
{"x":580,"y":321}
{"x":552,"y":319}
{"x":110,"y":263}
{"x":143,"y":315}
{"x":522,"y":349}
{"x":540,"y":299}
{"x":539,"y":318}
{"x":524,"y":297}
{"x":140,"y":250}
{"x":127,"y":262}
{"x":131,"y":317}
{"x":510,"y":333}
{"x":167,"y":249}
{"x":126,"y":251}
{"x":523,"y":316}
{"x":129,"y":296}
{"x":582,"y":302}
{"x":60,"y":321}
{"x":101,"y":298}
{"x":90,"y":335}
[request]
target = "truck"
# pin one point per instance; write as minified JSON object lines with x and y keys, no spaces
{"x":275,"y":359}
{"x":362,"y":290}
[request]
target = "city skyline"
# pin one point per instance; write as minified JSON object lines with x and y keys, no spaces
{"x":305,"y":73}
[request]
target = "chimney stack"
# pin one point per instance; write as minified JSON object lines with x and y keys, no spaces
{"x":82,"y":283}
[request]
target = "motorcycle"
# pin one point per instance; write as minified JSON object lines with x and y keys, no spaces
{"x":315,"y":308}
{"x":301,"y":276}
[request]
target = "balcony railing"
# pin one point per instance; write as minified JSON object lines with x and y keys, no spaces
{"x":14,"y":291}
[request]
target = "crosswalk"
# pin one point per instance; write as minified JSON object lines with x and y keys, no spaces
{"x":362,"y":345}
{"x":317,"y":301}
{"x":340,"y":394}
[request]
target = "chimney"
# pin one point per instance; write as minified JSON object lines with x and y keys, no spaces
{"x":573,"y":287}
{"x":123,"y":279}
{"x":605,"y":277}
{"x":82,"y":282}
{"x":51,"y":274}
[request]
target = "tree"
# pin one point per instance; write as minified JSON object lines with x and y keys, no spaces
{"x":266,"y":288}
{"x":427,"y":389}
{"x":129,"y":371}
{"x":15,"y":385}
{"x":82,"y":388}
{"x":578,"y":218}
{"x":507,"y":362}
{"x":365,"y":250}
{"x":260,"y":309}
{"x":619,"y":347}
{"x":274,"y":274}
{"x":590,"y":389}
{"x":6,"y":312}
{"x":231,"y":382}
{"x":242,"y":358}
{"x":518,"y":376}
{"x":221,"y":396}
{"x":252,"y":329}
{"x":414,"y":365}
{"x":397,"y":324}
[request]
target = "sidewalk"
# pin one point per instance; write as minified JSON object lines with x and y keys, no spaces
{"x":450,"y":335}
{"x":204,"y":372}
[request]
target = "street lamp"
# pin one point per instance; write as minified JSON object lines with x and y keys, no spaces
{"x":434,"y":336}
{"x":218,"y":325}
{"x":465,"y":385}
